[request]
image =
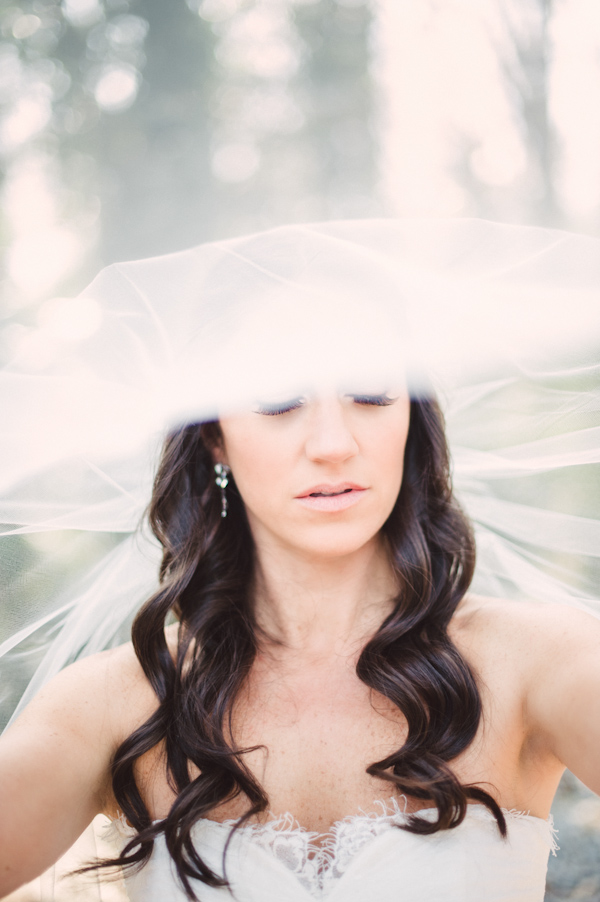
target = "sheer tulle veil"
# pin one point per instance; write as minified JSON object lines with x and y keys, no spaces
{"x":501,"y":322}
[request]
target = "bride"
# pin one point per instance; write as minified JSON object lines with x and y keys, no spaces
{"x":332,"y":710}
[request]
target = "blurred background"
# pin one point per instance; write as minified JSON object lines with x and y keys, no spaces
{"x":130,"y":128}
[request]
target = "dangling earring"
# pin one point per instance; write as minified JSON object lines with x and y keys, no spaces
{"x":222,"y":471}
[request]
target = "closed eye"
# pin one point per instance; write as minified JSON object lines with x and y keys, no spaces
{"x":273,"y":410}
{"x":373,"y":400}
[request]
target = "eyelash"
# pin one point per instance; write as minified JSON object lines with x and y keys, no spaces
{"x":373,"y":400}
{"x":272,"y":410}
{"x":296,"y":403}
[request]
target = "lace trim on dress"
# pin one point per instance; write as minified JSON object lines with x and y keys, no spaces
{"x":318,"y":860}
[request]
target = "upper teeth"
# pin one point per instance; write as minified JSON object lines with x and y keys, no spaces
{"x":341,"y":492}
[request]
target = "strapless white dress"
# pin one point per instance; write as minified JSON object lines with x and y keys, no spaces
{"x":363,"y":859}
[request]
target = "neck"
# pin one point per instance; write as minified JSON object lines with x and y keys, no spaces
{"x":315,"y":608}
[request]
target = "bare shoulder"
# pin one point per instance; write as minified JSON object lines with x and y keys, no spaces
{"x":118,"y":675}
{"x":107,"y":693}
{"x":530,"y":636}
{"x":549,"y":657}
{"x":523,"y":621}
{"x":71,"y":729}
{"x":93,"y":696}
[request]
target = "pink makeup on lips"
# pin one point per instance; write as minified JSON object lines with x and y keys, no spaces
{"x":328,"y":497}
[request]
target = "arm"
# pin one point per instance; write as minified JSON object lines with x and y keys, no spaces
{"x":564,"y":693}
{"x":55,"y":760}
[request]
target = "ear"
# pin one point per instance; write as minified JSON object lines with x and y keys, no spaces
{"x":219,"y":457}
{"x":212,"y":437}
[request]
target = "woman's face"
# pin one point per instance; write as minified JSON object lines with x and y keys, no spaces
{"x":318,"y":475}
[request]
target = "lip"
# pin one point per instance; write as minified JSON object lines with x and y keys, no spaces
{"x":351,"y":495}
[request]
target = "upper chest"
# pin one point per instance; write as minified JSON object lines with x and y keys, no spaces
{"x":312,"y":732}
{"x":318,"y":720}
{"x":325,"y":720}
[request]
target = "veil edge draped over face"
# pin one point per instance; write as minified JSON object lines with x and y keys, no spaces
{"x":501,"y":322}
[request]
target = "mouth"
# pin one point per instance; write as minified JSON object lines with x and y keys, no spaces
{"x":331,"y":498}
{"x":328,"y":490}
{"x":329,"y":494}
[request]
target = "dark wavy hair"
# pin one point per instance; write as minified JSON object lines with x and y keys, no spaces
{"x":206,"y":580}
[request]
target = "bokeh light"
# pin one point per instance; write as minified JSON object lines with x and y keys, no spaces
{"x":29,"y":116}
{"x":116,"y":87}
{"x":39,"y":259}
{"x":82,"y":13}
{"x":235,"y":162}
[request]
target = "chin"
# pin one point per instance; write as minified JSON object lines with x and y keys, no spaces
{"x":327,"y":543}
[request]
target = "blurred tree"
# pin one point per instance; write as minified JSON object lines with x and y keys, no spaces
{"x":156,"y":187}
{"x":520,"y":35}
{"x":160,"y":126}
{"x":341,"y":105}
{"x":132,"y":128}
{"x":526,"y":60}
{"x":145,"y":127}
{"x":292,"y":136}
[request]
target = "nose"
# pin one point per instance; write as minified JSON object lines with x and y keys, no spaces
{"x":330,"y":437}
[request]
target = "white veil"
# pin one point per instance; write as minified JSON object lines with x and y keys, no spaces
{"x":503,"y":322}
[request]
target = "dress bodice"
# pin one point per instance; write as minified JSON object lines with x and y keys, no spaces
{"x":362,"y":858}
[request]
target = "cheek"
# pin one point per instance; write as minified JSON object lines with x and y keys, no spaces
{"x":392,"y":466}
{"x":393,"y":449}
{"x":259,"y":464}
{"x":388,"y":456}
